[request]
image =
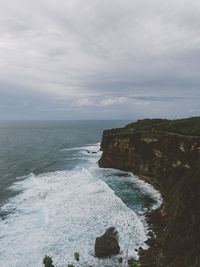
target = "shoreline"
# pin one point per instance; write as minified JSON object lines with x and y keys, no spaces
{"x":153,"y":257}
{"x":153,"y":225}
{"x":171,"y":164}
{"x":155,"y":219}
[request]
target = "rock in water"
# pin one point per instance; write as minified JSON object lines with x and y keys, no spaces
{"x":107,"y":244}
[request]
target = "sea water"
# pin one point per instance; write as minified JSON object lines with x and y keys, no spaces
{"x":55,"y":200}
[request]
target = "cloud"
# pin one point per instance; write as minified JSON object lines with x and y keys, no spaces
{"x":164,"y":98}
{"x":111,"y":101}
{"x":102,"y":53}
{"x":142,"y":103}
{"x":84,"y":102}
{"x":100,"y":102}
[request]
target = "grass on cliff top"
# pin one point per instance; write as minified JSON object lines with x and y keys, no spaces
{"x":189,"y":126}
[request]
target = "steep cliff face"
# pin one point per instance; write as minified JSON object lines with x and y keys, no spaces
{"x":150,"y":154}
{"x":171,"y":162}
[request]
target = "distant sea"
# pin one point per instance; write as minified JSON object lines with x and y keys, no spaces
{"x":55,"y":200}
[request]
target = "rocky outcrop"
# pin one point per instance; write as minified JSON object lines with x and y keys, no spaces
{"x":151,"y":155}
{"x":171,"y":162}
{"x":107,"y":244}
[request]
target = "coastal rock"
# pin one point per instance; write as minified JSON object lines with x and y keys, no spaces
{"x":150,"y":155}
{"x":107,"y":244}
{"x":169,"y":159}
{"x":91,"y":152}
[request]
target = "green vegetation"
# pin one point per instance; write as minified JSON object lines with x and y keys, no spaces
{"x":134,"y":264}
{"x":189,"y":126}
{"x":48,"y":262}
{"x":76,"y":256}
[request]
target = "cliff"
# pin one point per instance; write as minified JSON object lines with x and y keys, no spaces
{"x":171,"y":162}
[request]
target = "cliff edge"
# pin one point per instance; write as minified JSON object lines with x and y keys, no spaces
{"x":171,"y":162}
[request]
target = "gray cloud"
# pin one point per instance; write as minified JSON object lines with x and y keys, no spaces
{"x":77,"y":59}
{"x":165,"y":98}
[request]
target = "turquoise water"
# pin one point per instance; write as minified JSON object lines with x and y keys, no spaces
{"x":55,"y":200}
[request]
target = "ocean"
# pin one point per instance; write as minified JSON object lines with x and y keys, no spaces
{"x":55,"y":200}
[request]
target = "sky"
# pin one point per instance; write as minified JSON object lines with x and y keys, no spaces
{"x":99,"y":59}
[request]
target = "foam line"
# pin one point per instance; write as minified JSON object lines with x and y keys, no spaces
{"x":58,"y":213}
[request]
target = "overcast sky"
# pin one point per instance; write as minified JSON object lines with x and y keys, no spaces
{"x":99,"y":59}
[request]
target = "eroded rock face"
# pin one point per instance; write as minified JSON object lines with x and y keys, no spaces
{"x":107,"y":244}
{"x":171,"y":162}
{"x":148,"y":154}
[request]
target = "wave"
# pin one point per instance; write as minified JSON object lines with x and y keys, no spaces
{"x":58,"y":213}
{"x":62,"y":212}
{"x":89,"y":147}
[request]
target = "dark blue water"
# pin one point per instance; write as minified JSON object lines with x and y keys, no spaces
{"x":35,"y":147}
{"x":54,"y":199}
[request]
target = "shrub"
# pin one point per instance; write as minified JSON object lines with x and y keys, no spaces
{"x":134,"y":264}
{"x":48,"y":262}
{"x":76,"y":256}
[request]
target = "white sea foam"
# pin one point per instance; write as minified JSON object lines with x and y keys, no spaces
{"x":89,"y":147}
{"x":148,"y":189}
{"x":61,"y":212}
